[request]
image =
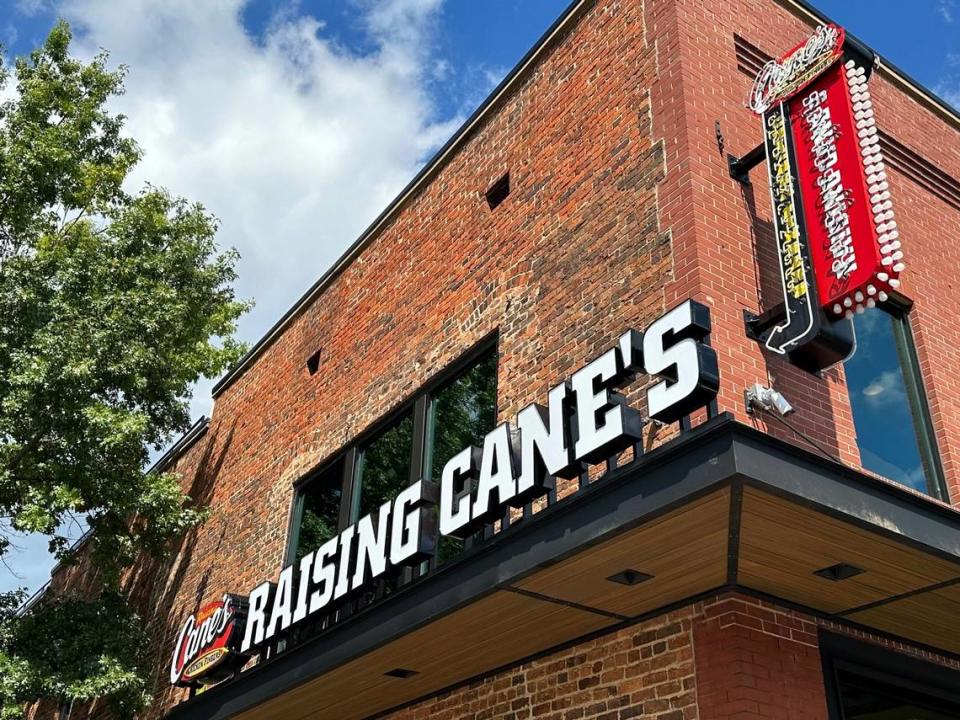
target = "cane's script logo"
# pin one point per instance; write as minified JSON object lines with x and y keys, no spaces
{"x":205,"y":641}
{"x":780,"y":79}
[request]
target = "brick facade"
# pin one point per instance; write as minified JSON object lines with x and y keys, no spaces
{"x":645,"y":671}
{"x":621,"y":207}
{"x":721,"y":228}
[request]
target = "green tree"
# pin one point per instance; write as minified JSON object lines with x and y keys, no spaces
{"x":112,"y":304}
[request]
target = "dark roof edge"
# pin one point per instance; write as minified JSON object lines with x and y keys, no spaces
{"x":573,"y":11}
{"x":892,"y":72}
{"x":569,"y":15}
{"x":195,"y":432}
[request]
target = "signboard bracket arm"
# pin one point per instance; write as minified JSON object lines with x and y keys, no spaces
{"x":758,"y":326}
{"x":740,"y":167}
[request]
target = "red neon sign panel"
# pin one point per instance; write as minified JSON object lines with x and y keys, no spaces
{"x":854,"y":243}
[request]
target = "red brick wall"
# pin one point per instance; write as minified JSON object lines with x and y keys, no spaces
{"x":731,"y":657}
{"x":645,"y":671}
{"x":756,"y":660}
{"x":720,"y":227}
{"x":574,"y":256}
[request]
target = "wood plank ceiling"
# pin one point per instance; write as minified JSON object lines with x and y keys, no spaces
{"x":778,"y":550}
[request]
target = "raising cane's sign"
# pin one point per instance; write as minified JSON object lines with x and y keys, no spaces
{"x":586,"y":420}
{"x":836,"y":236}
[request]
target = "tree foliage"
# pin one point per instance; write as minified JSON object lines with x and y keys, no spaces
{"x":112,"y":304}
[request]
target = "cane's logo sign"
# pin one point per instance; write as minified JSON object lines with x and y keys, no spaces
{"x":207,"y":640}
{"x":780,"y":79}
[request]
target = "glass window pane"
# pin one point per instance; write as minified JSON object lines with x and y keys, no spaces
{"x":460,"y":415}
{"x":319,"y":509}
{"x":888,"y":428}
{"x":384,"y":468}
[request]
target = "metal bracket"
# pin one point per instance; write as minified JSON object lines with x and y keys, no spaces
{"x":740,"y":167}
{"x":758,"y":326}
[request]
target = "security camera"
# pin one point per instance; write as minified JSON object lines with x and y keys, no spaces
{"x":760,"y":397}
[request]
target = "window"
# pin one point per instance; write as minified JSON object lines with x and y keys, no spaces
{"x":388,"y":459}
{"x":864,"y":698}
{"x":459,"y":415}
{"x":383,"y":467}
{"x":316,"y":515}
{"x":868,"y":682}
{"x":890,"y":414}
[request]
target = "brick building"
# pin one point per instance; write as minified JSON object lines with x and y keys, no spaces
{"x":730,"y":563}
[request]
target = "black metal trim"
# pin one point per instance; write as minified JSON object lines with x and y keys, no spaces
{"x":421,"y":416}
{"x":902,"y":596}
{"x":294,"y":520}
{"x":918,"y":401}
{"x":733,"y":537}
{"x":740,"y":167}
{"x":824,"y":485}
{"x":755,"y":326}
{"x":566,"y":603}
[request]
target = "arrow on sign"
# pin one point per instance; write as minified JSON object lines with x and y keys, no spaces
{"x":802,"y":321}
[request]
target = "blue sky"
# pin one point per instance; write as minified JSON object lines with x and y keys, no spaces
{"x":297,"y":122}
{"x":476,"y":39}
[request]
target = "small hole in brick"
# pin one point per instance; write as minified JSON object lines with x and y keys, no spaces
{"x":498,"y":192}
{"x":313,"y":363}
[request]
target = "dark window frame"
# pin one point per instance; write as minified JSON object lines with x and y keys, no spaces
{"x":898,"y":308}
{"x":418,"y":404}
{"x":875,"y":663}
{"x":919,"y":403}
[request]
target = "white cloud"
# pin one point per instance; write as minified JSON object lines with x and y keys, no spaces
{"x":30,"y":7}
{"x":293,"y":141}
{"x":945,"y":8}
{"x":885,"y":389}
{"x":950,"y":92}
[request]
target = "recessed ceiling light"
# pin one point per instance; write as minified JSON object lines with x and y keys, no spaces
{"x":402,"y":673}
{"x":630,"y":577}
{"x":840,"y":571}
